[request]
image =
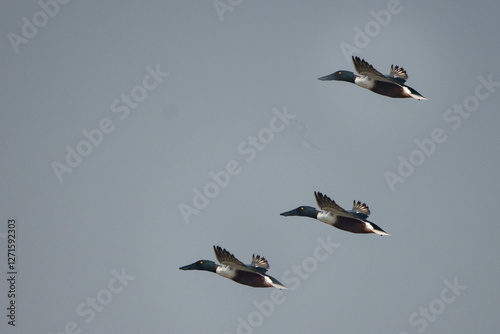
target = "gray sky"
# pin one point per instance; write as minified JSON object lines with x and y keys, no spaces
{"x":116,"y":114}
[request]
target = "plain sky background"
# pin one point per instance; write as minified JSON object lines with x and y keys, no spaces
{"x":119,"y":208}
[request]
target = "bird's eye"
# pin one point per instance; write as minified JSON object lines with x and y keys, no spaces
{"x":201,"y":262}
{"x":302,"y":208}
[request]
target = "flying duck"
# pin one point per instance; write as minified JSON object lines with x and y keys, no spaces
{"x":253,"y":274}
{"x":391,"y":85}
{"x":354,"y":220}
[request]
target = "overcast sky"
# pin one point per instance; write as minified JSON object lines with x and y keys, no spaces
{"x":135,"y":136}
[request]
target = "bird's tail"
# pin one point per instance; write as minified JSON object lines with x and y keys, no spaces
{"x":415,"y":94}
{"x":275,"y":283}
{"x":378,"y":230}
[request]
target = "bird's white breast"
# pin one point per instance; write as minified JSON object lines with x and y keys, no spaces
{"x":327,"y":217}
{"x":225,"y":271}
{"x":364,"y":82}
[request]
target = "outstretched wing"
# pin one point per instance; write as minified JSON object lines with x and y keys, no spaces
{"x":399,"y":72}
{"x":360,"y":209}
{"x":327,"y":204}
{"x":260,"y":263}
{"x":363,"y":68}
{"x":228,"y":259}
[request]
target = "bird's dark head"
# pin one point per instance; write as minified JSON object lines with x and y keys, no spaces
{"x":306,"y":211}
{"x":339,"y":76}
{"x":200,"y":265}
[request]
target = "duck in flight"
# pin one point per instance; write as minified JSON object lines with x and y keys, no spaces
{"x":392,"y":85}
{"x":253,"y":274}
{"x":354,"y":220}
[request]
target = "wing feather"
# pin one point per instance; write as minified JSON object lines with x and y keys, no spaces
{"x":327,"y":204}
{"x":228,"y":259}
{"x":260,"y":261}
{"x":396,"y":77}
{"x":363,"y":68}
{"x":399,"y":72}
{"x":360,"y":209}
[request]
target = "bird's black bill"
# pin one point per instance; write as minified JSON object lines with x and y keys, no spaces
{"x":289,"y":213}
{"x":191,"y":266}
{"x":328,"y":77}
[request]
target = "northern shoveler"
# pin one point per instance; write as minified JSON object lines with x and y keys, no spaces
{"x":253,"y":274}
{"x":391,"y":85}
{"x":352,"y":221}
